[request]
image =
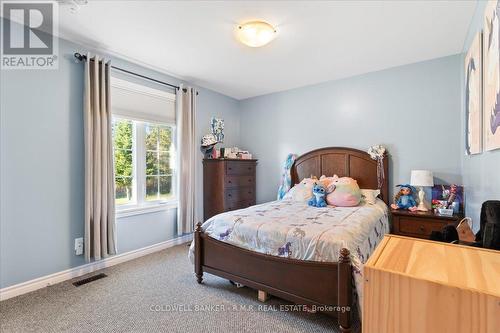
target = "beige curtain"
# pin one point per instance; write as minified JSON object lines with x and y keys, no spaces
{"x":186,"y":148}
{"x":100,"y":239}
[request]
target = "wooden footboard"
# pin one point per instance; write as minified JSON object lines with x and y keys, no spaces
{"x":326,"y":287}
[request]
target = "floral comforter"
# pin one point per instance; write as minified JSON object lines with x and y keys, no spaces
{"x":295,"y":230}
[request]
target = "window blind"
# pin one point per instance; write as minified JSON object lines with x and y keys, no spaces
{"x":137,"y":102}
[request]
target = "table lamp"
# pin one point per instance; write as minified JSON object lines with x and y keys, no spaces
{"x":421,"y":178}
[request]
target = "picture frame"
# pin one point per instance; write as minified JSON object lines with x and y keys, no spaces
{"x":441,"y":194}
{"x":473,"y":97}
{"x":491,"y":77}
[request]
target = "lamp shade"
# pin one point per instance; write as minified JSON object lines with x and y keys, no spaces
{"x":422,"y":178}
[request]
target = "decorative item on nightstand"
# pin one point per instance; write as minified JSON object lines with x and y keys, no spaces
{"x":421,"y":178}
{"x":448,"y":196}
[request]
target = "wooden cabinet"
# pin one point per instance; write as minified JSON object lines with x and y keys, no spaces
{"x":228,"y":184}
{"x":420,"y":224}
{"x":413,"y":285}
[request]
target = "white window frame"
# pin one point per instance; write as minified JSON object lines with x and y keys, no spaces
{"x":139,"y":204}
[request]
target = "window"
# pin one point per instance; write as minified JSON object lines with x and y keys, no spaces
{"x":144,"y":145}
{"x":158,"y":167}
{"x":124,"y":165}
{"x":143,"y":156}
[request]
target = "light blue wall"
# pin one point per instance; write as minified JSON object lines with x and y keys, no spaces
{"x":138,"y":231}
{"x":481,"y":175}
{"x":413,"y":110}
{"x":41,"y":170}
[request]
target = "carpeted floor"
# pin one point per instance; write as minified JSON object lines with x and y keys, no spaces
{"x":155,"y":293}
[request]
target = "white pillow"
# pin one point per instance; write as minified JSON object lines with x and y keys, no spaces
{"x":369,"y":196}
{"x":301,"y":191}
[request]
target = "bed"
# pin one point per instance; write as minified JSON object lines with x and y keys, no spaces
{"x":306,"y":255}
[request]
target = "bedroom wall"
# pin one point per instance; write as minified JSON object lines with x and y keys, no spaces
{"x":41,"y":170}
{"x":481,"y":177}
{"x":413,"y":110}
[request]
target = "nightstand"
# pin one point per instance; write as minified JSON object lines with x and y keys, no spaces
{"x":420,"y":224}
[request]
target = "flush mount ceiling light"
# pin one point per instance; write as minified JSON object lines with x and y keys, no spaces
{"x":255,"y":33}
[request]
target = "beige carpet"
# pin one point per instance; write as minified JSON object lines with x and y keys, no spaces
{"x":155,"y":293}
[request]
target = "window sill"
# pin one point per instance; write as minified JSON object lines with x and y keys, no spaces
{"x":140,"y":210}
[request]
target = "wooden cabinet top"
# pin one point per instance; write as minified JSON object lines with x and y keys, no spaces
{"x":429,"y":214}
{"x":449,"y":264}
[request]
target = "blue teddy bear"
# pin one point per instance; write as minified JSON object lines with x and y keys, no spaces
{"x":319,"y":194}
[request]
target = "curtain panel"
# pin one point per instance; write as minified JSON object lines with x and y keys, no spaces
{"x":100,"y":235}
{"x":186,"y":147}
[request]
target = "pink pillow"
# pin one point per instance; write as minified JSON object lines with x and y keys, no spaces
{"x":345,"y":194}
{"x":327,"y":181}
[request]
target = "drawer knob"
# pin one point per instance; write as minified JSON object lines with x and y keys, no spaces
{"x":229,"y":168}
{"x":249,"y":180}
{"x":229,"y":181}
{"x":422,"y":228}
{"x":249,"y":168}
{"x":249,"y":192}
{"x":229,"y":195}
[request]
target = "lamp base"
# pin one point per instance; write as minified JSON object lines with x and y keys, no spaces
{"x":421,"y":202}
{"x":421,"y":207}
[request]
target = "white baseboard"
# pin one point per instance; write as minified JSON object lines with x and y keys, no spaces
{"x":48,"y":280}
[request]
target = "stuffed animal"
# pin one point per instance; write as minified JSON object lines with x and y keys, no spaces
{"x":346,"y":192}
{"x":319,"y":194}
{"x":327,"y":181}
{"x":404,"y":199}
{"x":302,"y":191}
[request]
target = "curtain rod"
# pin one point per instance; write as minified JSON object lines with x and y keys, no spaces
{"x":82,"y":57}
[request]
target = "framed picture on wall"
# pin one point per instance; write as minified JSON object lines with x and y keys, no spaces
{"x":491,"y":77}
{"x":473,"y":96}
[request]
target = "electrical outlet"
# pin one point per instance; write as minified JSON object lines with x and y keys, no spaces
{"x":79,"y":246}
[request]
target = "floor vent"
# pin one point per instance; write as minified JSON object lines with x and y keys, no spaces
{"x":89,"y":279}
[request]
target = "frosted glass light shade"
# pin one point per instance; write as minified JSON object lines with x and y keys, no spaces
{"x":422,"y":178}
{"x":255,"y":33}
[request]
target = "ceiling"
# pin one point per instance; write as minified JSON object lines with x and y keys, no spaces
{"x":317,"y":40}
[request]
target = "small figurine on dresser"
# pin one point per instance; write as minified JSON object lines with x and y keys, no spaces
{"x":404,"y":198}
{"x":216,"y":136}
{"x":208,"y":143}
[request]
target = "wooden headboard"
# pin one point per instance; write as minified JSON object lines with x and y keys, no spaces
{"x":344,"y":162}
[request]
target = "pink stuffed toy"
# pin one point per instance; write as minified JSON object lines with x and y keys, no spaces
{"x":346,"y":192}
{"x":302,"y":191}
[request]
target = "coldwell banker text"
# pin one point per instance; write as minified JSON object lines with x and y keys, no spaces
{"x":28,"y":30}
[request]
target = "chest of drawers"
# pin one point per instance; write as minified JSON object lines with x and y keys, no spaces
{"x":228,"y":184}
